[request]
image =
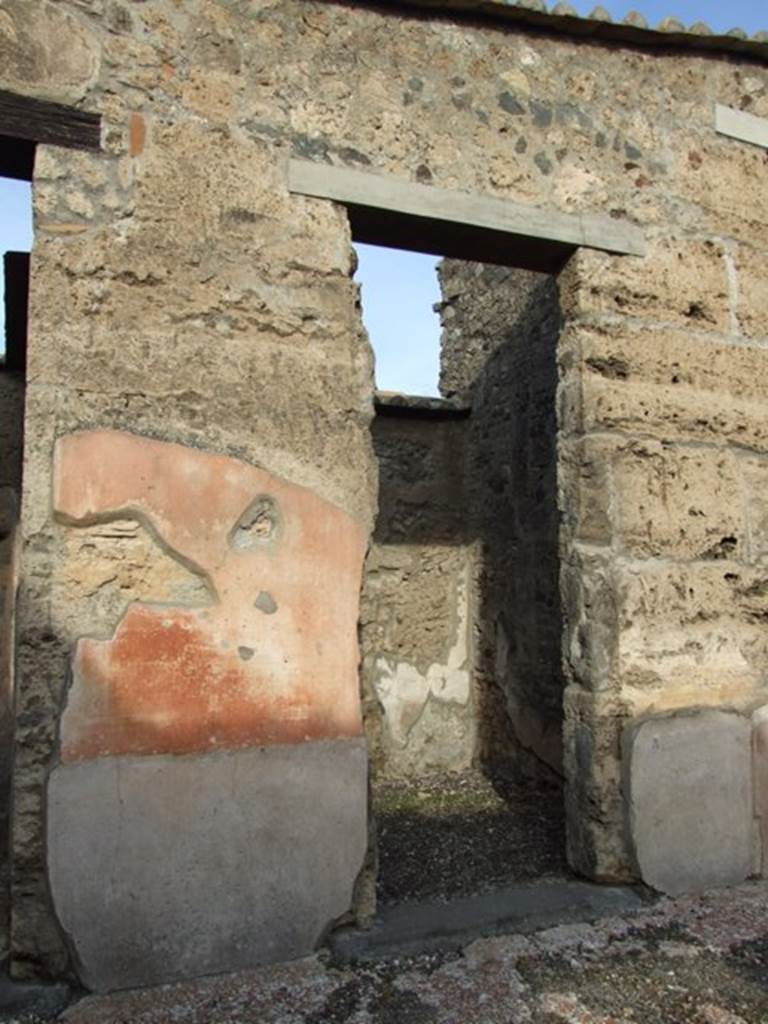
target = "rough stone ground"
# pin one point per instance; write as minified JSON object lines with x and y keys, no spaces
{"x":448,"y":834}
{"x":693,"y":960}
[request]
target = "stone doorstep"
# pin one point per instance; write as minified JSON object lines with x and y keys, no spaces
{"x":413,"y":928}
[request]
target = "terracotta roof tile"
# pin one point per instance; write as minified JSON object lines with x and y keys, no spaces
{"x":633,"y":28}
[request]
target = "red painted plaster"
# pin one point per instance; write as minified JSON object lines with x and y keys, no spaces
{"x":182,"y":680}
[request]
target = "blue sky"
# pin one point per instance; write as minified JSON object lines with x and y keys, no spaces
{"x":399,"y":289}
{"x":751,"y":15}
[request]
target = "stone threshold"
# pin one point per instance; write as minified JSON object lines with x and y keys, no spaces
{"x":413,"y":928}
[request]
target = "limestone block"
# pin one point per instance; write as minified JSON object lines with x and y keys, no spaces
{"x":240,"y":198}
{"x":689,"y":800}
{"x":752,"y":291}
{"x":691,"y":634}
{"x":722,"y":178}
{"x":666,"y":384}
{"x":585,"y":486}
{"x":754,"y":476}
{"x":46,"y":51}
{"x":678,"y":282}
{"x":174,"y":867}
{"x":273,"y":656}
{"x":591,"y":621}
{"x":677,"y":502}
{"x":593,"y":802}
{"x":760,"y":784}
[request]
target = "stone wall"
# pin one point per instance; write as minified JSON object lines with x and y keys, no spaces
{"x":179,"y":292}
{"x":227,"y":327}
{"x":662,"y":458}
{"x":217,"y":338}
{"x":11,"y":444}
{"x":416,"y":636}
{"x":499,"y":349}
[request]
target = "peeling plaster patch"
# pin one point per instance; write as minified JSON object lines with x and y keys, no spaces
{"x":404,"y":691}
{"x":256,"y":525}
{"x":180,"y":679}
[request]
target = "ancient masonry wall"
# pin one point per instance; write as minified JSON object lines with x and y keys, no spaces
{"x":418,"y":684}
{"x":662,"y":463}
{"x":190,"y":323}
{"x":181,"y":295}
{"x":11,"y":445}
{"x":499,"y":352}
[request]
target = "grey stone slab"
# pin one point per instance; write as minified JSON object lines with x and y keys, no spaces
{"x":690,"y":800}
{"x":760,"y":787}
{"x":392,"y":194}
{"x":164,"y":868}
{"x":427,"y":927}
{"x":738,"y":124}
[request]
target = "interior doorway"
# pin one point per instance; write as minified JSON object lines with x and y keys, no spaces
{"x":461,"y":623}
{"x":15,"y":246}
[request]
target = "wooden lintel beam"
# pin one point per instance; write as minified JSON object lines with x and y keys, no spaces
{"x":33,"y":120}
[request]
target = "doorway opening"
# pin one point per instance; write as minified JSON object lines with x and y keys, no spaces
{"x":461,"y":622}
{"x":15,"y":246}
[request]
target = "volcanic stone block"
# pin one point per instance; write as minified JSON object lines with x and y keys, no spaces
{"x":681,"y":281}
{"x":690,"y":800}
{"x":172,"y":867}
{"x":663,"y":383}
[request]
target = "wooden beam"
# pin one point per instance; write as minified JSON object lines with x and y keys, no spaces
{"x":40,"y":121}
{"x":386,"y":210}
{"x":737,"y":124}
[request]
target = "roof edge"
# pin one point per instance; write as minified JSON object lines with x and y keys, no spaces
{"x":598,"y":26}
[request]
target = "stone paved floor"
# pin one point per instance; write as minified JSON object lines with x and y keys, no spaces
{"x":694,"y":960}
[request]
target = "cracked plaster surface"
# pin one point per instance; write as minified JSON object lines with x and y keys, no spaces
{"x":234,"y":673}
{"x":404,"y":691}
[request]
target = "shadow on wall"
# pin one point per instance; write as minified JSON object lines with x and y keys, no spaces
{"x":12,"y":390}
{"x":500,"y":332}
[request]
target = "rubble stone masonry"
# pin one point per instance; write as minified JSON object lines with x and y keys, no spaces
{"x":181,"y":295}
